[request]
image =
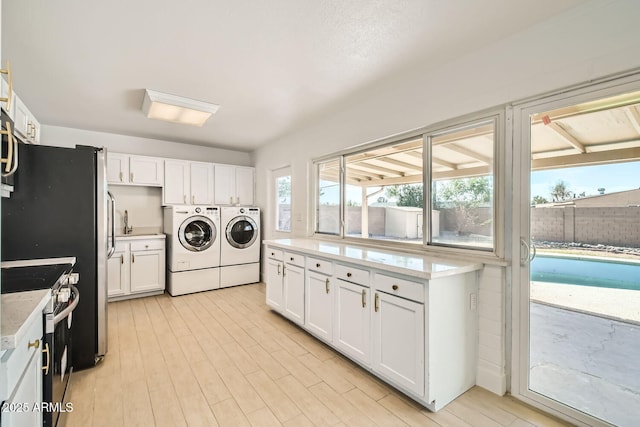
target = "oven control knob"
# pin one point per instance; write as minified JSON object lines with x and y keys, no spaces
{"x":72,"y":279}
{"x":63,"y":295}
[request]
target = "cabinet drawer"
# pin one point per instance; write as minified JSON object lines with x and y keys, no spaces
{"x":276,"y":254}
{"x":295,"y":259}
{"x":352,"y":274}
{"x":121,"y":246}
{"x":320,"y":265}
{"x":403,"y":288}
{"x":147,"y":245}
{"x":15,"y":361}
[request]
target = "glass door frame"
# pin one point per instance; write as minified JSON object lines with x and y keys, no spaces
{"x":520,"y":282}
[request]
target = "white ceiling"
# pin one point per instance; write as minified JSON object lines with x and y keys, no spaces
{"x":273,"y":66}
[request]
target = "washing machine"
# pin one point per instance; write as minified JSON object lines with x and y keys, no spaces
{"x":239,"y":246}
{"x":193,"y":248}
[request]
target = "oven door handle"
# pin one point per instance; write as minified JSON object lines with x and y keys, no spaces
{"x":64,"y":313}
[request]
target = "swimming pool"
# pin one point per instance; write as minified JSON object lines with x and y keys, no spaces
{"x":586,"y":271}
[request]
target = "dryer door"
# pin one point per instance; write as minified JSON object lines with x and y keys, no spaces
{"x":242,"y":231}
{"x":197,"y":233}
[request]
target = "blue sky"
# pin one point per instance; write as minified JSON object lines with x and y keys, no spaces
{"x":614,"y":177}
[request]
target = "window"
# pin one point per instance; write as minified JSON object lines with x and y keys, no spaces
{"x":462,"y":187}
{"x":384,"y":193}
{"x":283,"y":199}
{"x":328,"y":215}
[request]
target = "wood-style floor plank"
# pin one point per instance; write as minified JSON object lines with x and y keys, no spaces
{"x":222,"y":358}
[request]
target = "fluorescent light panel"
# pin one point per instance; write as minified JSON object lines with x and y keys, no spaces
{"x":176,"y":109}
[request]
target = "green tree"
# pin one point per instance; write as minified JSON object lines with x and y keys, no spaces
{"x":406,"y":194}
{"x":537,"y":200}
{"x":465,"y":196}
{"x":284,"y":186}
{"x":560,"y":191}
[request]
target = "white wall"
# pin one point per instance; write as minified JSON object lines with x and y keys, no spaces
{"x":70,"y":137}
{"x":596,"y":39}
{"x":143,"y":204}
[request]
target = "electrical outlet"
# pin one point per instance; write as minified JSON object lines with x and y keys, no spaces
{"x":473,"y":301}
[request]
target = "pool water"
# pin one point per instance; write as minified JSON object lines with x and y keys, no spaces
{"x":586,"y":272}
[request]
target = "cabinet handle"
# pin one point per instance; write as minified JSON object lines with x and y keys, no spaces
{"x":273,"y":254}
{"x":375,"y":303}
{"x":326,"y":285}
{"x":231,"y":200}
{"x":348,"y":274}
{"x":193,"y":200}
{"x":184,"y":199}
{"x":121,"y":176}
{"x":291,"y":258}
{"x":394,"y":287}
{"x":121,"y":259}
{"x":7,"y":71}
{"x":238,"y":200}
{"x":34,"y":344}
{"x":317,"y":265}
{"x":284,"y":269}
{"x":131,"y":176}
{"x":133,"y":258}
{"x":46,"y":350}
{"x":364,"y":298}
{"x":278,"y":269}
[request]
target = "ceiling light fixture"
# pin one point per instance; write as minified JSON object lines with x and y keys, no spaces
{"x":176,"y":109}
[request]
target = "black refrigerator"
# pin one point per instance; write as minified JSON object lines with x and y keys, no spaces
{"x":59,"y":208}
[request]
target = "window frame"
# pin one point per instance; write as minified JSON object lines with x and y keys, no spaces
{"x":501,"y":116}
{"x":275,"y":175}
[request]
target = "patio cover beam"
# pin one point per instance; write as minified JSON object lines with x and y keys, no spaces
{"x":469,"y":153}
{"x":602,"y":157}
{"x":634,"y":117}
{"x":566,"y":135}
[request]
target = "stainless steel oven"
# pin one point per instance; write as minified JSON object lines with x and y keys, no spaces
{"x":57,"y":274}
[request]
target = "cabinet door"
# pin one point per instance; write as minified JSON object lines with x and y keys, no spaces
{"x":176,"y":182}
{"x":28,"y":392}
{"x":146,"y":170}
{"x":224,"y":184}
{"x":117,"y":274}
{"x":201,"y":183}
{"x":21,"y":118}
{"x":352,"y":320}
{"x":398,"y":341}
{"x":294,"y":293}
{"x":244,"y":186}
{"x":117,"y":168}
{"x":319,"y":305}
{"x":147,"y":271}
{"x":274,"y":284}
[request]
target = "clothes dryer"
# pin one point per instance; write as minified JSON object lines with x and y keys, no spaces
{"x":193,"y":248}
{"x":239,"y":246}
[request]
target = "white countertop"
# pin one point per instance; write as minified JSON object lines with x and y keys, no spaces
{"x":141,"y":233}
{"x":420,"y":266}
{"x":18,"y":309}
{"x":38,"y":261}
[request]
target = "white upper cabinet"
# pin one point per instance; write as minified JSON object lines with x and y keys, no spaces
{"x":26,"y":126}
{"x":127,"y":169}
{"x":234,"y":185}
{"x":188,"y":183}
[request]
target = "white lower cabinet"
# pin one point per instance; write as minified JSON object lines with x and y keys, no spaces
{"x":353,"y":319}
{"x":419,"y":335}
{"x":137,"y":268}
{"x":319,"y":305}
{"x":398,"y":341}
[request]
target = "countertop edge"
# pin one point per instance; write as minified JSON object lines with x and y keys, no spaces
{"x":471,"y":266}
{"x":38,"y":300}
{"x":141,"y":236}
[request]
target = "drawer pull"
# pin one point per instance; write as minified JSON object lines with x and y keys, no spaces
{"x":46,"y":350}
{"x":326,"y":285}
{"x":146,"y":246}
{"x":291,"y":258}
{"x":364,"y":298}
{"x":394,"y":287}
{"x":375,"y":303}
{"x":348,"y":274}
{"x":34,"y":344}
{"x":318,"y":265}
{"x":273,"y":254}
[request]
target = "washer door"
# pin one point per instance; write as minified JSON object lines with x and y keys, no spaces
{"x":197,"y":233}
{"x":242,"y":231}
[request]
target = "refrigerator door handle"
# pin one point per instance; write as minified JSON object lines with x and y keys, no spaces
{"x":112,"y":247}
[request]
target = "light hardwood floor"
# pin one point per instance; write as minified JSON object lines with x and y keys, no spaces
{"x":223,"y":358}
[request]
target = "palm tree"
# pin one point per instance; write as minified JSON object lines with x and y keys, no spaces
{"x":560,"y":191}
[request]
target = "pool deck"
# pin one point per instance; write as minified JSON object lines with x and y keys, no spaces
{"x":616,"y":304}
